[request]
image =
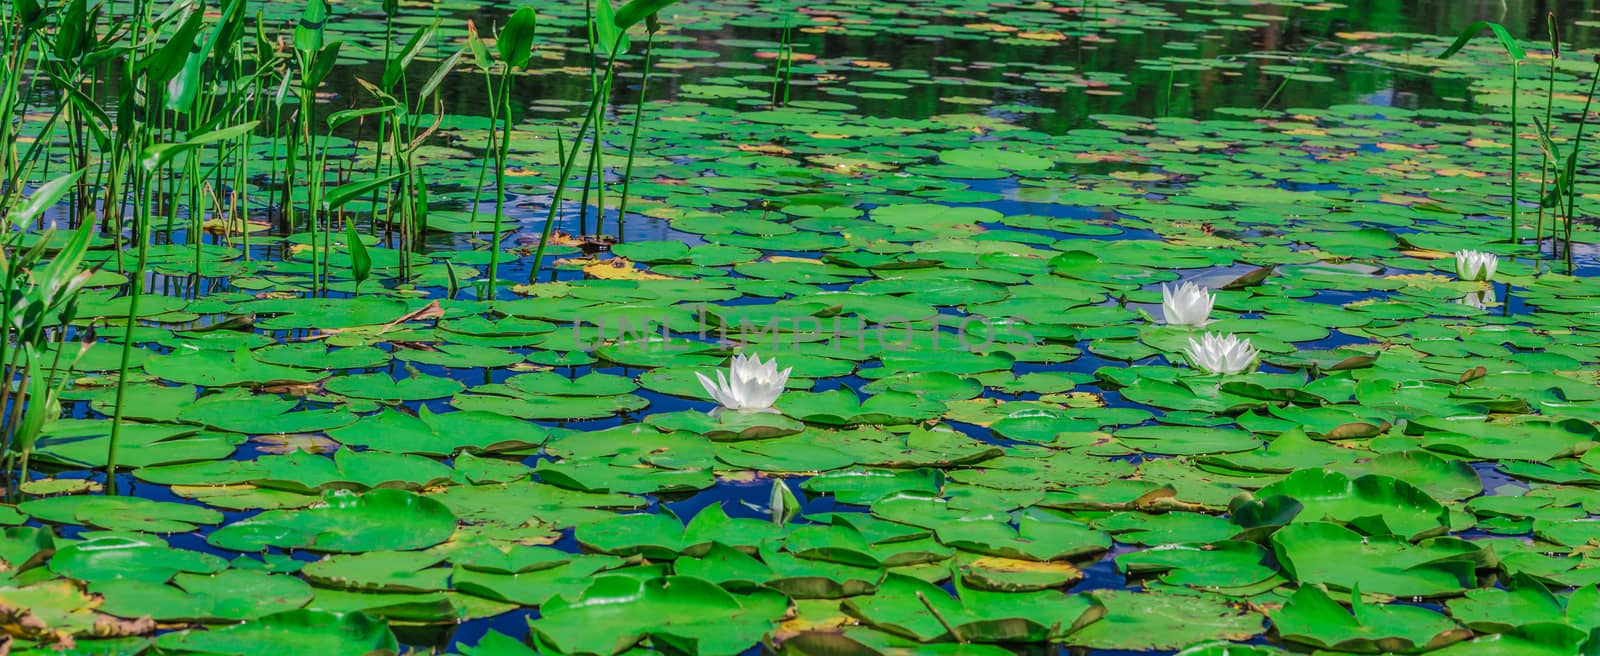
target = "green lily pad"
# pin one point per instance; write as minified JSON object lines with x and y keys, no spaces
{"x":1163,"y":621}
{"x":1312,"y":617}
{"x":310,"y":631}
{"x":693,"y":615}
{"x":915,"y":609}
{"x":1373,"y":504}
{"x":1329,"y":554}
{"x":113,"y":557}
{"x":345,"y":523}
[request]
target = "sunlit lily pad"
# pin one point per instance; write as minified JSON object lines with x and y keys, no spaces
{"x":615,"y":612}
{"x":381,"y":519}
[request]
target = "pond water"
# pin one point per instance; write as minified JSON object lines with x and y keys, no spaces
{"x":950,"y":221}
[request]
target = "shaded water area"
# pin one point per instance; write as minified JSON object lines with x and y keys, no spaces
{"x":953,"y":222}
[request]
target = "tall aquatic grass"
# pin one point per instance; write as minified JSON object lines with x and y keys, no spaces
{"x":631,"y":14}
{"x":391,"y":62}
{"x":1571,"y":167}
{"x":514,"y":45}
{"x":1516,"y":54}
{"x":652,"y":26}
{"x":408,"y":193}
{"x":19,"y":34}
{"x":152,"y":159}
{"x":1558,"y":174}
{"x":785,"y":65}
{"x":191,"y":86}
{"x":602,"y":36}
{"x":41,"y":302}
{"x":315,"y":58}
{"x":1544,"y":155}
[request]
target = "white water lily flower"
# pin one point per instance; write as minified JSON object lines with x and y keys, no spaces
{"x":1189,"y":305}
{"x":1221,"y":355}
{"x":749,"y":385}
{"x":1476,"y":265}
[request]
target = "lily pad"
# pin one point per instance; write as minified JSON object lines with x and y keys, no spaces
{"x":345,"y":522}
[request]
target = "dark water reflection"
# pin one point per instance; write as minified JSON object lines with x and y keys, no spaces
{"x":1303,"y":35}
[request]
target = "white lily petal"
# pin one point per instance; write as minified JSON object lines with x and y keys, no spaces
{"x":1476,"y":265}
{"x":749,"y":384}
{"x":730,"y":394}
{"x":1224,"y":355}
{"x":1188,"y":305}
{"x":711,"y":388}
